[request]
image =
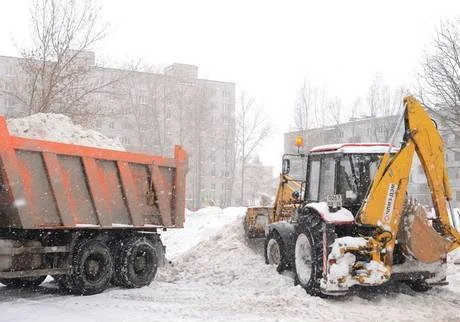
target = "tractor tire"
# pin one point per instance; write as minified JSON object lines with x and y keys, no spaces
{"x":136,"y":263}
{"x":246,"y":227}
{"x":275,"y":252}
{"x":92,"y":268}
{"x":308,"y":253}
{"x":23,"y":282}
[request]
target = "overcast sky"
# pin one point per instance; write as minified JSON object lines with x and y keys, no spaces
{"x":266,"y":47}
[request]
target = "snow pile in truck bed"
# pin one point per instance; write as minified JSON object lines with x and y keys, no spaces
{"x":60,"y":128}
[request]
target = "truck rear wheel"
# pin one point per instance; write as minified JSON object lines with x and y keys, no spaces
{"x":136,"y":263}
{"x":23,"y":282}
{"x":308,"y":253}
{"x":92,"y":268}
{"x":275,"y":253}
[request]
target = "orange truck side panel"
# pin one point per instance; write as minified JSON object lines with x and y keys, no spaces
{"x":48,"y":184}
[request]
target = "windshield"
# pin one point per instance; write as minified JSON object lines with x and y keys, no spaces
{"x":355,"y":174}
{"x":349,"y":175}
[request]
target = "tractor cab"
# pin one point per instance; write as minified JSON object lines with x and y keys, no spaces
{"x":344,"y":171}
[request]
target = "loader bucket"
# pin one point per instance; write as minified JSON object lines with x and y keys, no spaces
{"x":256,"y":221}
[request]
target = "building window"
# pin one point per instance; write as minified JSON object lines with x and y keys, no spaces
{"x":125,"y":140}
{"x":458,"y":196}
{"x":9,"y":101}
{"x":451,"y":172}
{"x":10,"y":71}
{"x":143,"y":97}
{"x":213,"y":186}
{"x":111,"y":125}
{"x":457,"y":156}
{"x":226,"y":108}
{"x":168,"y":113}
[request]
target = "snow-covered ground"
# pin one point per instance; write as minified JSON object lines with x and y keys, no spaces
{"x":216,"y":274}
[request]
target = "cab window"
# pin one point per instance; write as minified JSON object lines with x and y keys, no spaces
{"x":321,"y":179}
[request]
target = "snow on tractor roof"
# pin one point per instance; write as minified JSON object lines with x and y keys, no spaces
{"x":354,"y":148}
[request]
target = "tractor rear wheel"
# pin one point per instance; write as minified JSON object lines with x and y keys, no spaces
{"x":308,"y":253}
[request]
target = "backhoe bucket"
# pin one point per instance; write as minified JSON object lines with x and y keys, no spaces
{"x":422,"y":241}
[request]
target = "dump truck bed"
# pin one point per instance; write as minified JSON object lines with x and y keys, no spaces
{"x":50,"y":185}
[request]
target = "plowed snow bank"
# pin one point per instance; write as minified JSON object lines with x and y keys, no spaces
{"x":198,"y":226}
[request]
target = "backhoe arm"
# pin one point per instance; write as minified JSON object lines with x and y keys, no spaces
{"x":385,"y":202}
{"x":430,"y":150}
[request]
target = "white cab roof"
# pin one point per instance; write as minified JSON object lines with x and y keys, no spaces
{"x":354,"y":148}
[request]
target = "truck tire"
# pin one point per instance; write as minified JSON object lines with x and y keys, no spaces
{"x":63,"y":282}
{"x":308,"y":253}
{"x":23,"y":282}
{"x":275,"y":252}
{"x":92,"y":268}
{"x":136,"y":263}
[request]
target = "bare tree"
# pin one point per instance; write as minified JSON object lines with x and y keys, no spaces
{"x":304,"y":107}
{"x":334,"y":109}
{"x":252,"y":128}
{"x":58,"y":74}
{"x":383,"y":100}
{"x":356,"y":108}
{"x":440,"y":74}
{"x":311,"y":103}
{"x":143,"y":101}
{"x":315,"y":108}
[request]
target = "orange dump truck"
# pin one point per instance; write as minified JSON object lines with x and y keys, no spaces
{"x":86,"y":216}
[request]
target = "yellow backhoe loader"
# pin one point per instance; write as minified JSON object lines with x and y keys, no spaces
{"x":353,"y":223}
